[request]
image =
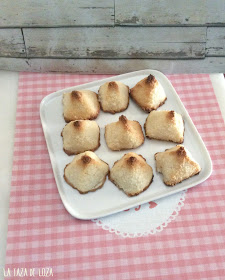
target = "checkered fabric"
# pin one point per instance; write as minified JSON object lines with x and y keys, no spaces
{"x":42,"y":233}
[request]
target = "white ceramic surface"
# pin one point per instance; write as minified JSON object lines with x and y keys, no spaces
{"x":110,"y":199}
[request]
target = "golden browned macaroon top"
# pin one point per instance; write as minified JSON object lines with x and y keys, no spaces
{"x":123,"y":134}
{"x":176,"y":164}
{"x":148,"y":94}
{"x":80,"y":105}
{"x":86,"y":173}
{"x":77,"y":124}
{"x":76,"y":95}
{"x":151,"y":80}
{"x":165,"y":125}
{"x":114,"y":86}
{"x":80,"y":136}
{"x":134,"y":160}
{"x":86,"y":159}
{"x":124,"y":121}
{"x":132,"y":174}
{"x":171,"y":115}
{"x":180,"y":152}
{"x":131,"y":160}
{"x":113,"y":97}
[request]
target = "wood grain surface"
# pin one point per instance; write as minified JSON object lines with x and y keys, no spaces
{"x":53,"y":13}
{"x":112,"y":36}
{"x":117,"y":42}
{"x":215,"y":44}
{"x":169,"y":12}
{"x":114,"y":66}
{"x":11,"y":43}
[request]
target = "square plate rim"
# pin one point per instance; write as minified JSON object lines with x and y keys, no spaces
{"x":48,"y":97}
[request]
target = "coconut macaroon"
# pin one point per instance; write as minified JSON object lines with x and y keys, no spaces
{"x":176,"y":164}
{"x":165,"y":125}
{"x":131,"y":174}
{"x":80,"y":136}
{"x":148,"y":94}
{"x":113,"y":97}
{"x":80,"y":105}
{"x":86,"y":172}
{"x":123,"y":134}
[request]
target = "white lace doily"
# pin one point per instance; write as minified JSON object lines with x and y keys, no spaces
{"x":145,"y":219}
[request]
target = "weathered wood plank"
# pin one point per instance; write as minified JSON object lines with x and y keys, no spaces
{"x":114,"y":66}
{"x":172,"y":12}
{"x":118,"y":42}
{"x":11,"y":43}
{"x":215,"y":44}
{"x":42,"y":13}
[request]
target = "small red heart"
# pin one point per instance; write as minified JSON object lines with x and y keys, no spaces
{"x":152,"y":204}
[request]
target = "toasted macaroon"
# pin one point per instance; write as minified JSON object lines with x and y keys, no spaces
{"x":80,"y":136}
{"x":123,"y":134}
{"x":86,"y":172}
{"x":148,"y":94}
{"x":131,"y":174}
{"x":165,"y":125}
{"x":80,"y":105}
{"x":113,"y":97}
{"x":176,"y":164}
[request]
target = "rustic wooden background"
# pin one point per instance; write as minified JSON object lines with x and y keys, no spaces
{"x":112,"y":36}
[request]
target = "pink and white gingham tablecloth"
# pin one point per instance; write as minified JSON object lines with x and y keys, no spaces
{"x":42,"y":234}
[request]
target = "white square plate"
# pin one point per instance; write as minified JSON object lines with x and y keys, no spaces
{"x":110,"y":199}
